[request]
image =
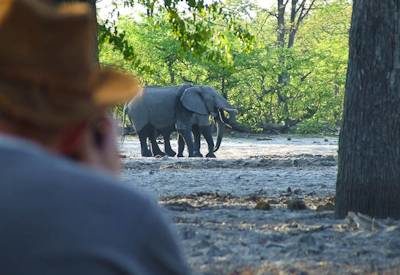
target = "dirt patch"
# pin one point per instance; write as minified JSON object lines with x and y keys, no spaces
{"x":265,"y":206}
{"x":305,"y":160}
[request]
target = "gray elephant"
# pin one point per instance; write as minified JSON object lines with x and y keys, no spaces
{"x":206,"y":132}
{"x":161,"y":110}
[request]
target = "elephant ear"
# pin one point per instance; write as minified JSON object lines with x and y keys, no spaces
{"x":192,"y":101}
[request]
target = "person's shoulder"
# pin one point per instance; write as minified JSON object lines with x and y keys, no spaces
{"x":93,"y":192}
{"x":69,"y":199}
{"x":47,"y":173}
{"x":86,"y":180}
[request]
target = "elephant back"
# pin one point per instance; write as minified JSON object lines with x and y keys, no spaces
{"x":156,"y":106}
{"x":160,"y":103}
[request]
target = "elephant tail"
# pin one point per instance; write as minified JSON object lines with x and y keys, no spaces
{"x":124,"y":115}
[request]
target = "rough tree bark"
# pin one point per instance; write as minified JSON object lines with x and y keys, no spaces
{"x":368,"y":178}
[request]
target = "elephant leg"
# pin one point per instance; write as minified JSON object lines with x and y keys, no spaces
{"x":206,"y":132}
{"x":167,"y":144}
{"x":196,"y":145}
{"x":181,"y":145}
{"x":154,"y":146}
{"x":143,"y":144}
{"x":187,"y":136}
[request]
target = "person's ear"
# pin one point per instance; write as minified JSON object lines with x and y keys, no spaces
{"x":69,"y":141}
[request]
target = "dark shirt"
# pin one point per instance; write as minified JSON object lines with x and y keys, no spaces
{"x":57,"y":217}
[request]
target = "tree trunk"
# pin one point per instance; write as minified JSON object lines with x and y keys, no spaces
{"x":281,"y":34}
{"x":281,"y":24}
{"x":293,"y":30}
{"x":170,"y":60}
{"x":223,"y":90}
{"x":368,"y":178}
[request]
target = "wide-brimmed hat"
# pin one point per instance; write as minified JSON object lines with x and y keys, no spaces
{"x":48,"y":69}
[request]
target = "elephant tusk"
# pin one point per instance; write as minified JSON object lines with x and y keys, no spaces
{"x":231,"y":110}
{"x":220,"y":116}
{"x":223,"y":120}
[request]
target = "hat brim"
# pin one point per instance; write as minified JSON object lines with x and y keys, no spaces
{"x":112,"y":87}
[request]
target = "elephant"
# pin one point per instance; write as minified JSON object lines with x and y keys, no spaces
{"x":152,"y":112}
{"x":204,"y":130}
{"x":184,"y":108}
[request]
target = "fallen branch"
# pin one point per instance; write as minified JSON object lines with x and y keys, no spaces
{"x":363,"y":222}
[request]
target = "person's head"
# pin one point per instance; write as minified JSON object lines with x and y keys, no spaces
{"x":52,"y":90}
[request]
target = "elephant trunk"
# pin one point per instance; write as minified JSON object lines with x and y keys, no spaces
{"x":233,"y":124}
{"x":220,"y":132}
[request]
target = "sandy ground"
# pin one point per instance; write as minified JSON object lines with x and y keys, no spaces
{"x":264,"y":206}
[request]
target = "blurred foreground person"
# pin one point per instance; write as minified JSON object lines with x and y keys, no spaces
{"x":61,"y":210}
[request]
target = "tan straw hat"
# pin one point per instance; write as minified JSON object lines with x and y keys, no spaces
{"x":48,"y":70}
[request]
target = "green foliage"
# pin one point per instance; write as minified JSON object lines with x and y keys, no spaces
{"x":118,"y":41}
{"x":192,"y":21}
{"x":232,"y":46}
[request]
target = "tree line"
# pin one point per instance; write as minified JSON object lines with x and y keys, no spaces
{"x":283,"y":67}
